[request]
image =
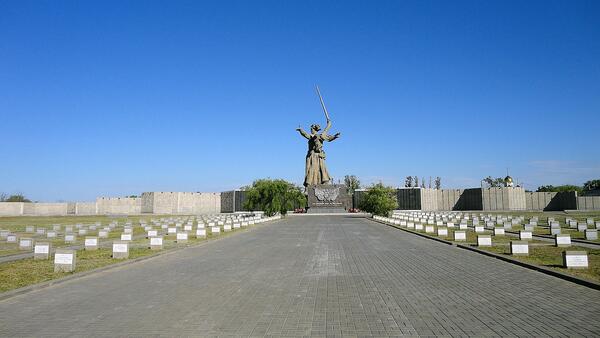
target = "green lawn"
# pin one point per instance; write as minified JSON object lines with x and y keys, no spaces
{"x":551,"y":257}
{"x":25,"y":272}
{"x":17,"y":226}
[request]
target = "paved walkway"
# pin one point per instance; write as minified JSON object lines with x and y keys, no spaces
{"x":311,"y":275}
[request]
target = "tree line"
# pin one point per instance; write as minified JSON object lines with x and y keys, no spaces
{"x":13,"y":198}
{"x":413,"y":182}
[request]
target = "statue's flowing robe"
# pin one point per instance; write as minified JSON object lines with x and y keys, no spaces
{"x":316,"y":170}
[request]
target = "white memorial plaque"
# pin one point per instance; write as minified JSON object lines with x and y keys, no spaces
{"x":91,"y":241}
{"x":152,"y":233}
{"x":562,"y":240}
{"x":499,"y":232}
{"x":172,"y":231}
{"x":484,"y":241}
{"x":200,"y":232}
{"x":156,"y":241}
{"x":125,"y":237}
{"x":120,"y":247}
{"x":575,"y":259}
{"x":591,"y":234}
{"x":519,"y":248}
{"x":524,"y":235}
{"x":460,"y":236}
{"x":182,"y":236}
{"x":41,"y":249}
{"x":63,"y":258}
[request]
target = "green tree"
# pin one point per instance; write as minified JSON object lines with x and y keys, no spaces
{"x":17,"y":198}
{"x":494,"y":182}
{"x":438,"y":183}
{"x":379,"y":200}
{"x":3,"y":197}
{"x":274,"y":196}
{"x":352,"y":183}
{"x":559,"y":188}
{"x":408,"y":181}
{"x":591,"y":185}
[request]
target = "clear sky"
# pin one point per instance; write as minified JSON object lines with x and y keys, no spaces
{"x":116,"y":98}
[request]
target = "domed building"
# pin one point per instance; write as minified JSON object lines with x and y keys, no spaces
{"x":508,"y":182}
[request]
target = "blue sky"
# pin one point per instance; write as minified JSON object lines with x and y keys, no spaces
{"x":115,"y":98}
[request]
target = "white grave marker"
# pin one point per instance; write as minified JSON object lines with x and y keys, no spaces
{"x":41,"y":251}
{"x":575,"y":260}
{"x":64,"y":260}
{"x":120,"y":250}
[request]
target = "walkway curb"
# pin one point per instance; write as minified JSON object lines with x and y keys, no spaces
{"x":46,"y":284}
{"x":573,"y":279}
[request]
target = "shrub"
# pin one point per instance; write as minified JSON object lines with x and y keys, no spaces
{"x":273,"y":196}
{"x":379,"y":200}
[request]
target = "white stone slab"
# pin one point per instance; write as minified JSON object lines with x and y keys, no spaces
{"x":525,"y":235}
{"x":460,"y":235}
{"x":575,"y":260}
{"x":562,"y":240}
{"x":484,"y":240}
{"x":519,"y":248}
{"x":63,"y":258}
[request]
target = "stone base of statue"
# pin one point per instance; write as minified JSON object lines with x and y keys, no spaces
{"x":328,"y":198}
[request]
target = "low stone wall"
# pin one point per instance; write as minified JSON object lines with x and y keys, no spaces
{"x":588,"y":203}
{"x":11,"y":208}
{"x":505,"y":198}
{"x":85,"y":208}
{"x":190,"y":203}
{"x":45,"y":209}
{"x":551,"y":201}
{"x":118,"y":205}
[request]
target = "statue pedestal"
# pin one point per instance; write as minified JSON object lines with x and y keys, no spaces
{"x":328,"y":198}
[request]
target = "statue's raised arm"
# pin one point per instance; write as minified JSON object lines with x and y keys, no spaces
{"x":327,"y":127}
